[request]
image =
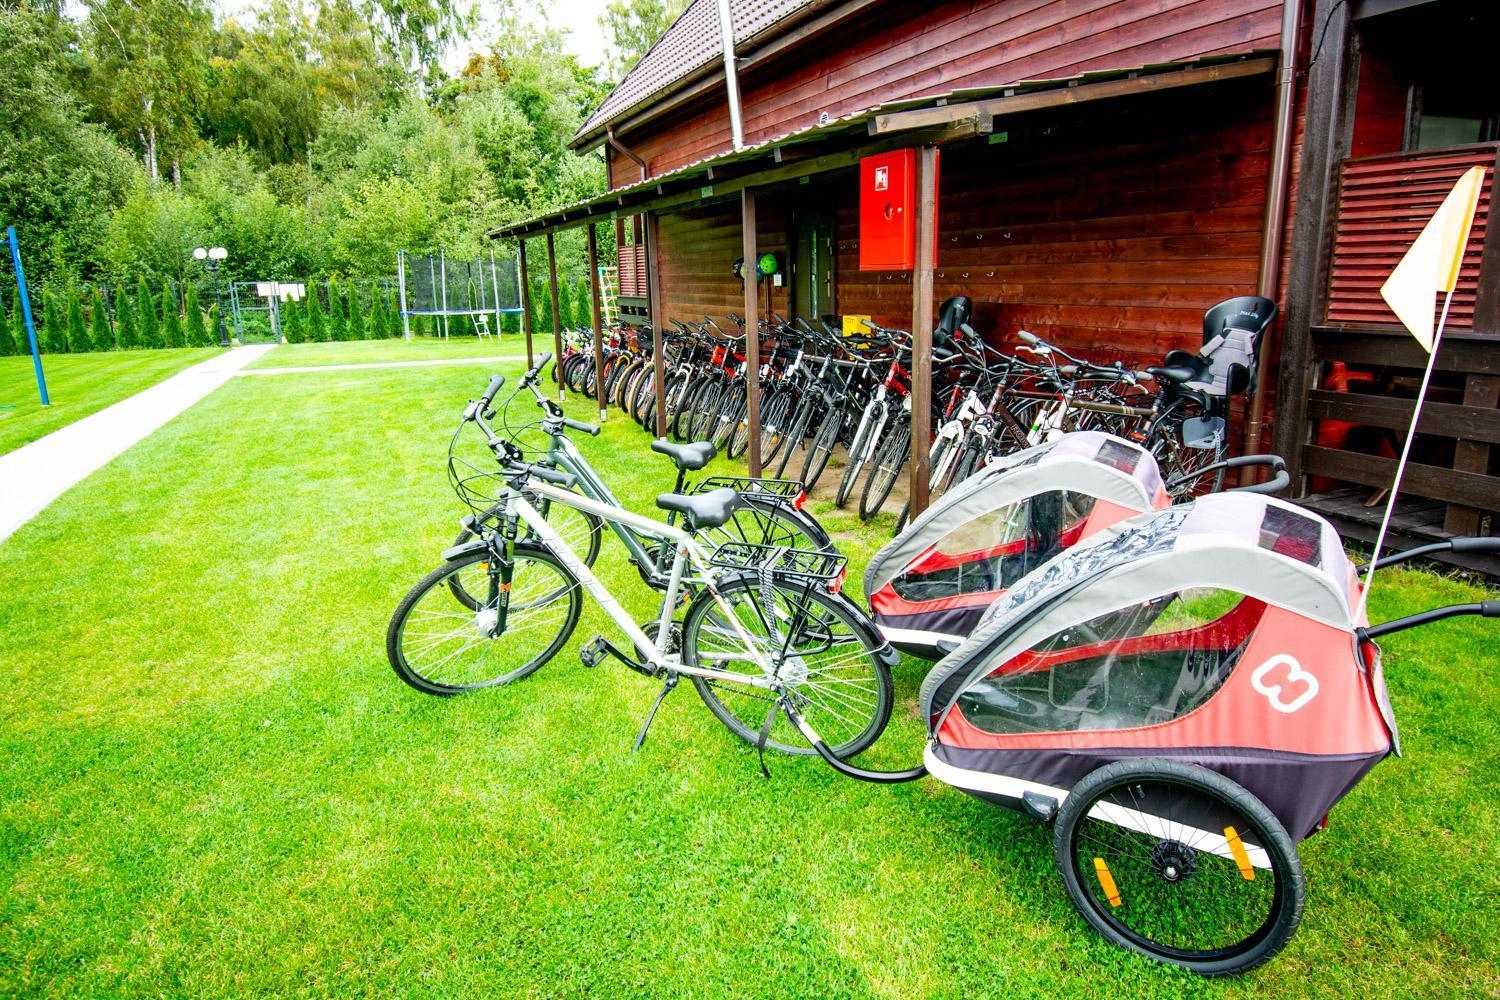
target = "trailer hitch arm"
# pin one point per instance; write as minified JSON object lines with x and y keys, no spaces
{"x":848,"y":770}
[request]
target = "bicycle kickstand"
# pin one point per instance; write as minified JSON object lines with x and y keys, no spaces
{"x":666,"y":689}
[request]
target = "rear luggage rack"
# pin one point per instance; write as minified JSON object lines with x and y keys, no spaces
{"x":775,"y":489}
{"x":805,"y":566}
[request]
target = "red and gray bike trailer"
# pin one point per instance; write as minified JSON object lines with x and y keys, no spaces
{"x":930,"y":585}
{"x":1184,"y":695}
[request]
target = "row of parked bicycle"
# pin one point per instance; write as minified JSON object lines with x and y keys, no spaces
{"x":822,"y":391}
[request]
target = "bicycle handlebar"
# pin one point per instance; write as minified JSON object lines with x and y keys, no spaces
{"x":578,"y":425}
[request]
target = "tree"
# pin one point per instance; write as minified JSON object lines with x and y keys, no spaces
{"x":584,"y":301}
{"x":213,"y":317}
{"x":127,"y":333}
{"x":292,"y":322}
{"x":631,"y":27}
{"x":7,"y":339}
{"x":59,"y":171}
{"x":317,"y":323}
{"x":380,"y":316}
{"x":78,"y":331}
{"x":357,"y":328}
{"x":148,"y":73}
{"x":101,"y":333}
{"x":54,"y":333}
{"x":147,"y":315}
{"x":171,"y":320}
{"x":338,"y":318}
{"x":195,"y":333}
{"x":416,"y":33}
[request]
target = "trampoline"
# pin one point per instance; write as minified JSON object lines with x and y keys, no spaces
{"x":478,"y":290}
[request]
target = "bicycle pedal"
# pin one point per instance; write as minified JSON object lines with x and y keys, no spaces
{"x":594,"y":651}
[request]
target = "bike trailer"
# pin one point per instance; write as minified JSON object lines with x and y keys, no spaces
{"x":930,"y":585}
{"x":1218,"y":633}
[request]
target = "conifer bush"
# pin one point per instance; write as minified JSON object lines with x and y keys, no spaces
{"x":78,"y":331}
{"x":101,"y":332}
{"x":317,"y":321}
{"x":54,"y":333}
{"x":338,"y":319}
{"x":194,"y":332}
{"x":171,"y":321}
{"x":7,"y":339}
{"x":147,"y":316}
{"x":358,"y":328}
{"x":127,"y":331}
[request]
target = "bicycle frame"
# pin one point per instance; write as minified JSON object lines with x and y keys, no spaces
{"x":686,"y":552}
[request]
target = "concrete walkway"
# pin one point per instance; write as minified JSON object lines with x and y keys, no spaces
{"x":34,"y":475}
{"x":357,"y":366}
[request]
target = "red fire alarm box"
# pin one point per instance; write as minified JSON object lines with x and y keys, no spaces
{"x":888,"y":212}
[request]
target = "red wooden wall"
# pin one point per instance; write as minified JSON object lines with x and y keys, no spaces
{"x":910,"y":50}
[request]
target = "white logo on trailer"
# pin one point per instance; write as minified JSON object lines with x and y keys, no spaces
{"x":1294,"y":674}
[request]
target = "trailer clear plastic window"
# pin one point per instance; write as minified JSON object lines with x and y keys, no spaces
{"x":991,"y":551}
{"x":1140,"y":665}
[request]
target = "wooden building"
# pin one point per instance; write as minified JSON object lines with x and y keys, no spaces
{"x":1102,"y":171}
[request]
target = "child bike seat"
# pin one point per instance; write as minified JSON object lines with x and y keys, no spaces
{"x":687,"y":457}
{"x":703,"y":510}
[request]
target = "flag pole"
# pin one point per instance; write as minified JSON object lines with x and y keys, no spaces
{"x":1411,"y":433}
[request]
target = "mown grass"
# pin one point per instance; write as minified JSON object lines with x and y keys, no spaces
{"x":78,"y":384}
{"x":368,"y":351}
{"x":212,"y":783}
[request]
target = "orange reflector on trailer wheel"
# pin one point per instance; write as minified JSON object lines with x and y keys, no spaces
{"x":1107,"y":882}
{"x":1241,"y":856}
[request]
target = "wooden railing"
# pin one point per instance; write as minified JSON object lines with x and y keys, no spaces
{"x":1384,"y":201}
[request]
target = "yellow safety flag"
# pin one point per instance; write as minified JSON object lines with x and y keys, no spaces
{"x":1432,"y":264}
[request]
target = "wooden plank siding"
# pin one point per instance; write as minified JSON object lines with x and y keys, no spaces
{"x":906,"y":50}
{"x":1384,"y":201}
{"x":698,"y":249}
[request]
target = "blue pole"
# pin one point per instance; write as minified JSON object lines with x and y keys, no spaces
{"x":36,"y":355}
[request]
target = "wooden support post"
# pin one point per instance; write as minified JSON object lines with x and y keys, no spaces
{"x":654,"y":305}
{"x":525,"y":301}
{"x":597,"y":321}
{"x":752,"y":327}
{"x":557,"y":355}
{"x":921,"y":328}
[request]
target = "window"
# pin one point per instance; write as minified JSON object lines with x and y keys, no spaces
{"x":990,"y":552}
{"x":1141,"y":665}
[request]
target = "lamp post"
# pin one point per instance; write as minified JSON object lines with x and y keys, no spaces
{"x":212,"y":257}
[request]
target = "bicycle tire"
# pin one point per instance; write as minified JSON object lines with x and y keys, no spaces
{"x":824,"y":440}
{"x":890,"y":459}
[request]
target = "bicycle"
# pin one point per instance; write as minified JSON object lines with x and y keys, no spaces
{"x":766,"y":626}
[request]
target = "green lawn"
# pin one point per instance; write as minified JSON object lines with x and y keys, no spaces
{"x":367,"y":351}
{"x":78,"y":384}
{"x":212,"y":783}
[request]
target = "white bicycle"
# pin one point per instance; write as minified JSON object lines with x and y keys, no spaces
{"x":767,"y":638}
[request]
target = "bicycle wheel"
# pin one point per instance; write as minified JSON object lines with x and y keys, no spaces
{"x":730,"y":415}
{"x":889,"y":461}
{"x":1178,"y":457}
{"x":859,"y":454}
{"x":826,"y":658}
{"x":683,"y":408}
{"x":774,"y":417}
{"x":767,"y":522}
{"x":706,"y":411}
{"x":739,"y":441}
{"x":1178,"y":863}
{"x":440,"y":646}
{"x":823,"y":441}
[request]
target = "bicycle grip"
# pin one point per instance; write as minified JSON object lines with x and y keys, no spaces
{"x":1475,"y":544}
{"x":564,"y":479}
{"x":1489,"y":609}
{"x":578,"y":425}
{"x":1028,"y":338}
{"x":496,"y":382}
{"x":542,"y":361}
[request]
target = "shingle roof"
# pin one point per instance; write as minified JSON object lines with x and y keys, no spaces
{"x":689,"y":45}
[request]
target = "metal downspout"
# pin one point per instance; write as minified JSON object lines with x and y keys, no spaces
{"x":731,"y":75}
{"x":1276,"y":194}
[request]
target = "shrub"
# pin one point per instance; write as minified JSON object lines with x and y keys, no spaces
{"x":101,"y":333}
{"x":338,"y":319}
{"x":18,"y":332}
{"x":317,"y":323}
{"x":195,"y":333}
{"x":147,"y":316}
{"x":78,"y":331}
{"x":584,"y":316}
{"x":358,"y":329}
{"x":291,"y":321}
{"x":380,"y":316}
{"x":213,"y":322}
{"x":127,"y":332}
{"x":171,"y":321}
{"x":54,"y":334}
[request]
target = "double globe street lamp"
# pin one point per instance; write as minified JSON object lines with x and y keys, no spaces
{"x":212,"y":257}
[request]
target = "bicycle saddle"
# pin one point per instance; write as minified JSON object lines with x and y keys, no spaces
{"x":687,"y":457}
{"x":1171,"y":373}
{"x":703,"y":510}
